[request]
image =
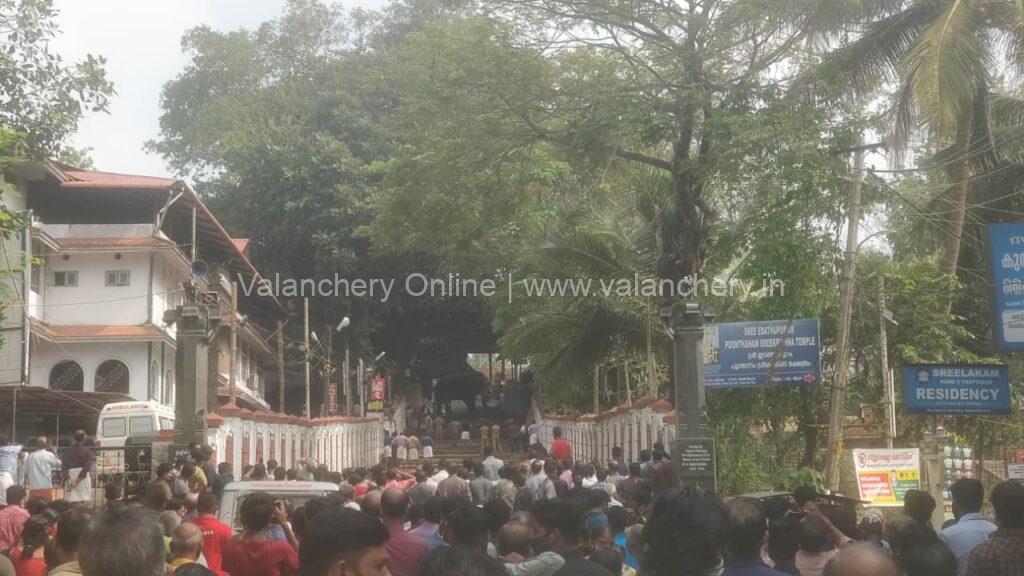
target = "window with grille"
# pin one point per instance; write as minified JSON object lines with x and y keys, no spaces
{"x":118,"y":277}
{"x":65,"y":278}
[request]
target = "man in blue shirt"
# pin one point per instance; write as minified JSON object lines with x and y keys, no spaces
{"x":745,"y":526}
{"x":970,"y":528}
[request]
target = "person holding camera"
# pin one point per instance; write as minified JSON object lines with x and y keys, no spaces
{"x":251,"y":553}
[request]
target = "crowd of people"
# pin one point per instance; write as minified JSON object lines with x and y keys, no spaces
{"x":424,"y":427}
{"x":548,"y":516}
{"x":35,"y":465}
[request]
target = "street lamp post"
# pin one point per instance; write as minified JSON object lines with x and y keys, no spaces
{"x":359,"y":386}
{"x":361,"y":376}
{"x":345,"y":322}
{"x":328,"y":369}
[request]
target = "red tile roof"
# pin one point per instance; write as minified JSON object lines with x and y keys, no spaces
{"x":124,"y":242}
{"x":86,"y":332}
{"x":93,"y":179}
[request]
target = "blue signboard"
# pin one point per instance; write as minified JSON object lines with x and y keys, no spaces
{"x":752,"y":354}
{"x":956,"y":389}
{"x":1006,"y":253}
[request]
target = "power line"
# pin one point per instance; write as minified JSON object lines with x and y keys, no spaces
{"x":942,"y":226}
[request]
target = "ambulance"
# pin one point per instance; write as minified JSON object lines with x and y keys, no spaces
{"x":120,"y":420}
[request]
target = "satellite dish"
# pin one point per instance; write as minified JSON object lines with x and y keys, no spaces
{"x":199,"y":269}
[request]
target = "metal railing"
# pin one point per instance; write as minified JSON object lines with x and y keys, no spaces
{"x":131,"y":467}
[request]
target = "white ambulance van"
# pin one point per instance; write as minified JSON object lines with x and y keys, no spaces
{"x":119,"y":420}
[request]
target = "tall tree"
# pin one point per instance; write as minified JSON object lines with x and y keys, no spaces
{"x":937,"y":60}
{"x":41,"y":96}
{"x":285,"y":129}
{"x":658,"y":83}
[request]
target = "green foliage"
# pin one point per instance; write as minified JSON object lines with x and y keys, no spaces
{"x":792,"y":478}
{"x":286,"y":130}
{"x":41,"y":96}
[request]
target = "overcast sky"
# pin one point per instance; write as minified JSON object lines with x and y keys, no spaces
{"x":141,"y":42}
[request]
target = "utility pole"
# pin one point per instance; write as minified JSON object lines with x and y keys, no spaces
{"x":597,"y":386}
{"x":887,"y":384}
{"x":330,"y":400}
{"x":305,"y":350}
{"x":280,"y":367}
{"x":625,"y":380}
{"x":346,"y":384}
{"x":360,"y":378}
{"x":837,"y":412}
{"x":233,"y":349}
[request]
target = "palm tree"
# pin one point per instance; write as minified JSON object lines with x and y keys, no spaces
{"x":567,"y":336}
{"x":938,"y":54}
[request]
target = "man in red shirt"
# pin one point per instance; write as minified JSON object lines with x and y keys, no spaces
{"x":253,"y":554}
{"x":215,"y":533}
{"x":560,"y":449}
{"x":12,"y":517}
{"x":406,"y":551}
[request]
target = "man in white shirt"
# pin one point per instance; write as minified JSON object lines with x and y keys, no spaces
{"x":532,"y":432}
{"x":9,"y":454}
{"x":537,"y":476}
{"x":971,"y":528}
{"x":39,"y":467}
{"x":491,"y":464}
{"x":442,"y":472}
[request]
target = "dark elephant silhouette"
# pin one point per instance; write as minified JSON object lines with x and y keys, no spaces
{"x":465,"y":386}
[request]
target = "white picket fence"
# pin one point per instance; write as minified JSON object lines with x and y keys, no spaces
{"x":242,"y":437}
{"x":634,"y":427}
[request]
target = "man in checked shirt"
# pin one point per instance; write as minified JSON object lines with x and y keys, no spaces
{"x":1003,"y":553}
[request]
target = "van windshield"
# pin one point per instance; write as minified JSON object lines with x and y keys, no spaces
{"x":292,"y":500}
{"x":113,"y":428}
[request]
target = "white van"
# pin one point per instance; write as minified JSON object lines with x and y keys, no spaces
{"x":295,"y":492}
{"x":119,"y":420}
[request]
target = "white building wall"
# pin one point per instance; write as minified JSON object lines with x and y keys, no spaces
{"x":160,"y":379}
{"x":45,"y":355}
{"x":169,"y":272}
{"x":92,"y":302}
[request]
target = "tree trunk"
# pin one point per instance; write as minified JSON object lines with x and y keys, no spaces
{"x":652,"y":365}
{"x":957,"y":193}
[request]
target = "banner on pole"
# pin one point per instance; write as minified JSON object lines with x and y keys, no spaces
{"x":754,"y":354}
{"x":885,"y":474}
{"x":378,"y":388}
{"x":378,"y":392}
